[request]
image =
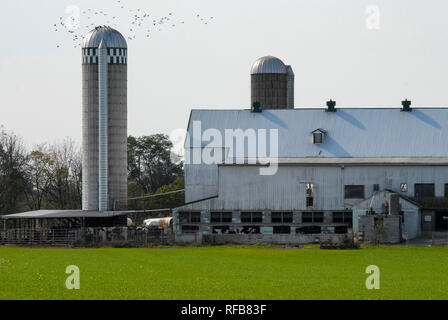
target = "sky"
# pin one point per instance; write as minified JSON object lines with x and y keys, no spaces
{"x":357,"y":52}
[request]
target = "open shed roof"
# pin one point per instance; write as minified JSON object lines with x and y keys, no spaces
{"x":58,"y":214}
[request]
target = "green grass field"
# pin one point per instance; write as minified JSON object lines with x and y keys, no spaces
{"x":224,"y":273}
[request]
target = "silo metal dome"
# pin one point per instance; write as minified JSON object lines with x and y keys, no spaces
{"x":269,"y":65}
{"x":111,"y":37}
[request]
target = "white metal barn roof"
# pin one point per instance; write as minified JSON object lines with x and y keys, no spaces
{"x":351,"y":132}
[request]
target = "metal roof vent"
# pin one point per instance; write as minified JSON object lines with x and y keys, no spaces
{"x":406,"y":105}
{"x":331,"y":106}
{"x":256,"y":107}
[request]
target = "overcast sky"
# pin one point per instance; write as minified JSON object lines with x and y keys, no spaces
{"x":360,"y":53}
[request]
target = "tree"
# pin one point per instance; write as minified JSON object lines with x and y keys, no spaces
{"x":64,"y":190}
{"x":149,"y":163}
{"x":168,"y":201}
{"x":38,"y":175}
{"x":54,"y":176}
{"x":12,"y":175}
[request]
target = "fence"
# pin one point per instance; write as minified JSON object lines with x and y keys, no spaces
{"x":87,"y":236}
{"x":439,"y":238}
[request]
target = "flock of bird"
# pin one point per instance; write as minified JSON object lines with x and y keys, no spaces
{"x":140,"y":23}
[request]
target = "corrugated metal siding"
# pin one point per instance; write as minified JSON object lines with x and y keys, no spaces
{"x":201,"y":182}
{"x":242,"y":188}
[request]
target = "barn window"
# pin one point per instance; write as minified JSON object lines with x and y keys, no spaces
{"x":282,"y":229}
{"x":309,"y":194}
{"x":338,"y":217}
{"x":309,"y":230}
{"x":190,"y":217}
{"x":251,"y":217}
{"x":348,"y":217}
{"x":184,"y":217}
{"x":188,"y":229}
{"x":318,"y":217}
{"x":354,"y":192}
{"x":281,"y":217}
{"x":307,"y":217}
{"x":220,"y":229}
{"x":221,"y":217}
{"x":343,"y":217}
{"x":309,"y":201}
{"x":376,"y":187}
{"x":404,"y":187}
{"x":195,"y":217}
{"x":424,"y":190}
{"x":340,"y":229}
{"x":312,"y":217}
{"x":251,"y":229}
{"x":318,"y":136}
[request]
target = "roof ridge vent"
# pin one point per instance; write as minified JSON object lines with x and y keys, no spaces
{"x":331,"y":106}
{"x":256,"y":107}
{"x":406,"y":105}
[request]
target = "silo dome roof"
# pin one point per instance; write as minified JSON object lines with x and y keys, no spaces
{"x":111,"y":37}
{"x":269,"y":64}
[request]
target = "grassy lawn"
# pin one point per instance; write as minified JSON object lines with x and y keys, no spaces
{"x":224,"y":273}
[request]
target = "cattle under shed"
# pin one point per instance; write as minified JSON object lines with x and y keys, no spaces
{"x":64,"y":219}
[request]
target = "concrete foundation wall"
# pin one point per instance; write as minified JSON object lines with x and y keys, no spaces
{"x":216,"y":239}
{"x":391,"y":228}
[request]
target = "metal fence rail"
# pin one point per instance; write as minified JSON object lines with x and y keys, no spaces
{"x":439,"y":238}
{"x":86,"y":236}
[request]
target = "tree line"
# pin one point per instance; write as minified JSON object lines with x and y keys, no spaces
{"x":49,"y":176}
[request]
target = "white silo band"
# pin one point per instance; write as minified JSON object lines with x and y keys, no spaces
{"x":103,"y":123}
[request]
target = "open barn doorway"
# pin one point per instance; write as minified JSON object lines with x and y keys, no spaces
{"x":441,"y":221}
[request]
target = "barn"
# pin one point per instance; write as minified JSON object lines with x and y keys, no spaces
{"x":280,"y":174}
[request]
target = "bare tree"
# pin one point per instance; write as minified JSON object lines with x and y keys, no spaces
{"x":65,"y":175}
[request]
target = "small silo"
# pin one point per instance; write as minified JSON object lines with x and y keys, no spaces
{"x":272,"y":84}
{"x":104,"y":119}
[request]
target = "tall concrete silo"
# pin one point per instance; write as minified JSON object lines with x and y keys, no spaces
{"x":104,"y":119}
{"x":272,"y":84}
